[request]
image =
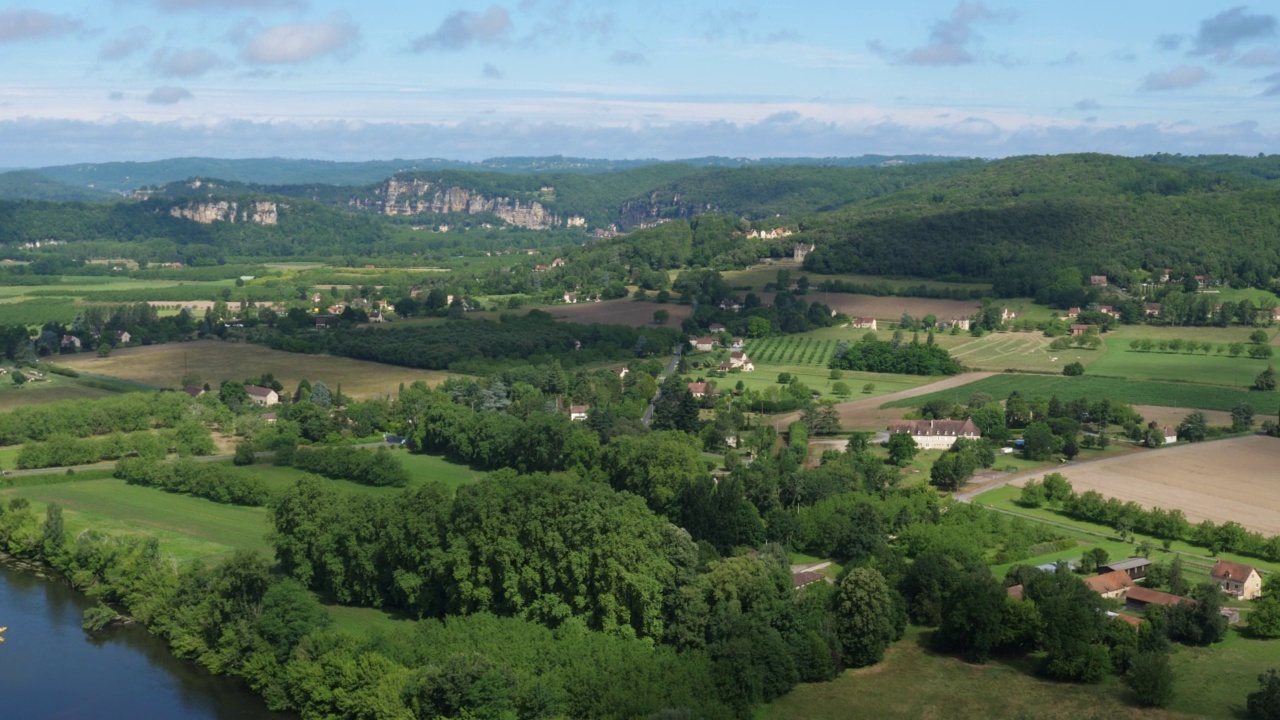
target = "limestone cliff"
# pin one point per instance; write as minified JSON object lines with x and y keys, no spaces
{"x":656,"y":208}
{"x":260,"y":212}
{"x":417,"y":196}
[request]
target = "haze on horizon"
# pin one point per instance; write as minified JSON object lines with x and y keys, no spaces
{"x":151,"y":79}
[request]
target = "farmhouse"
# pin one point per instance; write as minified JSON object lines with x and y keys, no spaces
{"x":1077,"y":329}
{"x":698,"y":389}
{"x":1073,"y":313}
{"x":269,"y":418}
{"x":704,"y":344}
{"x":261,"y":395}
{"x":1239,"y":580}
{"x":122,"y":336}
{"x":1154,"y":309}
{"x":959,"y":323}
{"x":70,"y":342}
{"x":194,"y":391}
{"x":1136,"y":568}
{"x":935,"y":434}
{"x":1108,"y":311}
{"x":1111,"y":585}
{"x":1139,"y":598}
{"x":571,"y":297}
{"x":736,"y":343}
{"x":800,"y":251}
{"x":805,"y":577}
{"x":578,"y":412}
{"x":864,"y":323}
{"x":717,"y":328}
{"x":739,"y":359}
{"x":1098,"y":280}
{"x":376,"y":317}
{"x":1170,"y":435}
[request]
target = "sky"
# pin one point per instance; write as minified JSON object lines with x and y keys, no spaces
{"x":149,"y":79}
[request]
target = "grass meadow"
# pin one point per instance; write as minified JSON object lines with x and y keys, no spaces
{"x":805,"y":356}
{"x":189,"y":528}
{"x":1211,"y":369}
{"x":422,"y":468}
{"x":52,"y":389}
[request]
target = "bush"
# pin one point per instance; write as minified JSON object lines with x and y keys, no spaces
{"x":1151,"y":679}
{"x":1073,"y":369}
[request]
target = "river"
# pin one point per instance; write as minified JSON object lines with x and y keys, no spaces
{"x":50,"y":669}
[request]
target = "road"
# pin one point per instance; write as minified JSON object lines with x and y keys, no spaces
{"x":671,"y":367}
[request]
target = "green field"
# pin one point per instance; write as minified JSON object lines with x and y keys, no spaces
{"x":759,"y":276}
{"x":805,"y":356}
{"x":422,"y":468}
{"x":1013,"y":351}
{"x":1005,"y":499}
{"x":189,"y":528}
{"x":52,"y":389}
{"x":1166,"y":394}
{"x":1211,"y":369}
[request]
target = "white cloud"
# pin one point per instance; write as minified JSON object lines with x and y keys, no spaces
{"x":301,"y":42}
{"x":1179,"y":78}
{"x":20,"y":24}
{"x":168,"y":95}
{"x":227,"y":5}
{"x":1220,"y":34}
{"x":168,"y":62}
{"x":126,"y":44}
{"x":950,"y":40}
{"x":465,"y":28}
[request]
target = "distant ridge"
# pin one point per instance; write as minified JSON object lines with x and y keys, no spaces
{"x":124,"y":177}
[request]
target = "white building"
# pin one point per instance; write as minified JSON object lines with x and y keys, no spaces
{"x":935,"y":434}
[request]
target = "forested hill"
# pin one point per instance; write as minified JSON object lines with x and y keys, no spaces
{"x":1262,"y":167}
{"x":31,"y":185}
{"x":627,"y":198}
{"x":1017,"y":222}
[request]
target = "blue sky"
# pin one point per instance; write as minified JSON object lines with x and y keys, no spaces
{"x":147,"y":79}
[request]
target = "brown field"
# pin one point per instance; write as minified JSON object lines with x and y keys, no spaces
{"x":1225,"y":480}
{"x":619,"y":312}
{"x":887,"y":308}
{"x":1171,"y":416}
{"x":215,"y":360}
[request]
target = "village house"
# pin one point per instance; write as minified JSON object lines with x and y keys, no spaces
{"x":705,"y":344}
{"x":558,"y":262}
{"x":1006,"y":315}
{"x":960,"y":323}
{"x":324,"y":321}
{"x":194,"y":391}
{"x":1241,"y":581}
{"x":571,"y":297}
{"x":1111,"y":585}
{"x":935,"y":434}
{"x":578,"y":412}
{"x":315,"y":298}
{"x":70,"y":342}
{"x":1139,"y":598}
{"x":1108,"y":311}
{"x":864,"y":323}
{"x":805,"y":577}
{"x":717,"y":328}
{"x":1275,"y":313}
{"x":724,"y":367}
{"x":740,"y":360}
{"x":698,"y":389}
{"x":122,"y":337}
{"x":1073,"y":313}
{"x":1135,"y":567}
{"x":1078,"y":329}
{"x":773,"y":234}
{"x":621,"y":373}
{"x":261,"y":395}
{"x":269,"y":418}
{"x":801,"y":251}
{"x":1170,"y":435}
{"x":376,"y":317}
{"x":1098,"y":280}
{"x":540,"y":268}
{"x":730,"y":305}
{"x":1154,"y":309}
{"x":737,"y":343}
{"x":1164,"y":275}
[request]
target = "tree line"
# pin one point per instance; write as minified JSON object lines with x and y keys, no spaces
{"x":212,"y":481}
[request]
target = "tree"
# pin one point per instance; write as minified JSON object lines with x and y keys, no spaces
{"x":661,"y":316}
{"x":822,"y":420}
{"x":232,"y":394}
{"x":973,"y":615}
{"x":1194,"y":427}
{"x":1073,"y":369}
{"x":836,"y":374}
{"x":864,"y":616}
{"x":320,"y":395}
{"x":1151,"y":679}
{"x":841,"y":389}
{"x":902,"y":449}
{"x":1033,"y":494}
{"x":1264,"y":619}
{"x":868,"y":388}
{"x":1264,"y":703}
{"x":244,"y":453}
{"x":1241,"y":417}
{"x":1038,"y":441}
{"x":1266,"y":380}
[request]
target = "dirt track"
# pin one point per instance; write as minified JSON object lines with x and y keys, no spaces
{"x":866,"y":414}
{"x":1225,"y":480}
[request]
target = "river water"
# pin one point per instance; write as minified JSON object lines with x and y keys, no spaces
{"x":50,"y":669}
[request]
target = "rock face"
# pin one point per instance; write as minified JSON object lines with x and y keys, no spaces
{"x":417,"y":196}
{"x":655,"y":209}
{"x":261,"y":212}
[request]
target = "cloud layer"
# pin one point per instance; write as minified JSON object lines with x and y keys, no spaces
{"x":19,"y":24}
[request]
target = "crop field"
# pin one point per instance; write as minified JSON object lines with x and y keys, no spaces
{"x":1134,"y":392}
{"x":1120,"y":336}
{"x":805,"y":356}
{"x":1211,"y":369}
{"x":53,"y":389}
{"x":1221,"y":481}
{"x":1014,"y":351}
{"x":215,"y":360}
{"x":758,"y":276}
{"x":189,"y":528}
{"x":619,"y":312}
{"x":886,"y":308}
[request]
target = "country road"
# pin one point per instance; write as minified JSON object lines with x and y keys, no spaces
{"x":867,"y":410}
